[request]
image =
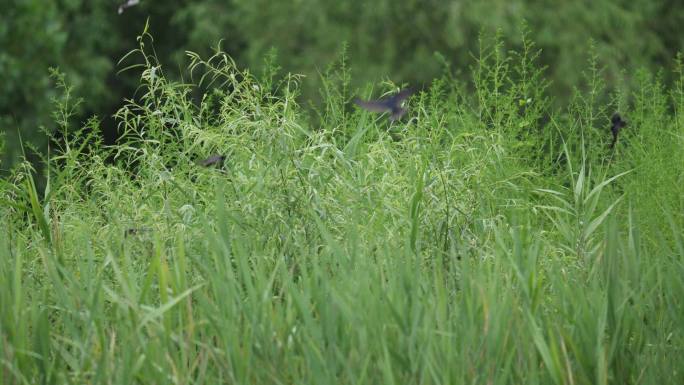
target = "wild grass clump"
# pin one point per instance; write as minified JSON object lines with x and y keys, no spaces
{"x":484,"y":239}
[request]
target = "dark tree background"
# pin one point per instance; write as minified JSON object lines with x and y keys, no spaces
{"x":385,"y":39}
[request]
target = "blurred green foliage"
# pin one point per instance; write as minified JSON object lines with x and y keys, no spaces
{"x":408,"y":41}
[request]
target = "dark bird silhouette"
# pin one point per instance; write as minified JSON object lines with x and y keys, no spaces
{"x":391,"y":104}
{"x":136,"y":231}
{"x":214,"y":160}
{"x":617,"y":125}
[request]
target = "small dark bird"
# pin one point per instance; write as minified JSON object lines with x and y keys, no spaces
{"x":391,"y":104}
{"x":136,"y":231}
{"x":214,"y":160}
{"x":617,"y":125}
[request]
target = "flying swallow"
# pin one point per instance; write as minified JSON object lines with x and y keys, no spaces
{"x":617,"y":125}
{"x":213,"y":160}
{"x":391,"y":104}
{"x":127,"y":4}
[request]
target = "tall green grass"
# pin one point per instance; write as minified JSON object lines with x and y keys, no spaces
{"x":484,"y":239}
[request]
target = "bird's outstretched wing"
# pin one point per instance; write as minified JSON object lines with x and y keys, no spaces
{"x":213,"y":160}
{"x":392,"y":103}
{"x":401,"y":96}
{"x":373,"y":105}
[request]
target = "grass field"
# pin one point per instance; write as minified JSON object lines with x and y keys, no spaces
{"x":486,"y":238}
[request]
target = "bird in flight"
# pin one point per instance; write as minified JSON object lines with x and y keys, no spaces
{"x":127,"y":4}
{"x":213,"y":160}
{"x":393,"y":104}
{"x":617,"y":125}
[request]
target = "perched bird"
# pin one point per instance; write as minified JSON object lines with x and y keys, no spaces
{"x":391,"y":104}
{"x":214,"y":160}
{"x":617,"y":125}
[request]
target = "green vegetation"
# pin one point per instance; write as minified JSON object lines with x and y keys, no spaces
{"x":489,"y":237}
{"x":404,"y":40}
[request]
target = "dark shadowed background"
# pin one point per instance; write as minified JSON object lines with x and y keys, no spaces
{"x":406,"y":41}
